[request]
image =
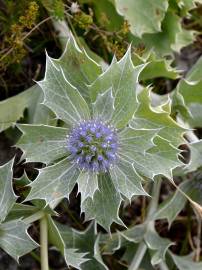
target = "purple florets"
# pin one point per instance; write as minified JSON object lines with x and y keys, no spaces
{"x":93,"y":146}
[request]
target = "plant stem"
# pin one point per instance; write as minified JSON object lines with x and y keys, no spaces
{"x":139,"y":255}
{"x":44,"y":243}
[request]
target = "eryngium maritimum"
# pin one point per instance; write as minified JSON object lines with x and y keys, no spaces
{"x":93,"y":146}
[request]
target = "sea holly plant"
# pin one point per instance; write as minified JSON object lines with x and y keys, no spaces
{"x":110,"y":142}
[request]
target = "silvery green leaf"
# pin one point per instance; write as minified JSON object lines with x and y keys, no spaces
{"x":7,"y":195}
{"x":21,"y":211}
{"x":148,"y":117}
{"x":156,"y":67}
{"x":143,"y":16}
{"x":122,"y":77}
{"x":79,"y":69}
{"x":160,"y":159}
{"x":61,"y":96}
{"x":186,"y":262}
{"x":103,"y":107}
{"x":195,"y":156}
{"x":172,"y":37}
{"x":105,"y":204}
{"x":87,"y":185}
{"x":190,"y":89}
{"x":134,"y":234}
{"x":74,"y":258}
{"x":71,"y":256}
{"x":126,"y":180}
{"x":54,"y":182}
{"x":97,"y":254}
{"x":158,"y":245}
{"x":15,"y":240}
{"x":85,"y":242}
{"x":12,"y":109}
{"x":42,"y":143}
{"x":173,"y":205}
{"x":191,"y":92}
{"x":138,"y":140}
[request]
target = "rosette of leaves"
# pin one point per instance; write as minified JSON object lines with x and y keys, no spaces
{"x":112,"y":139}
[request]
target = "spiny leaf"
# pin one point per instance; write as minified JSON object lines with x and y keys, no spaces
{"x":82,"y":241}
{"x":148,"y":117}
{"x":74,"y":258}
{"x":172,"y":36}
{"x":21,"y":211}
{"x":15,"y":240}
{"x":103,"y":108}
{"x":79,"y":69}
{"x":71,"y":255}
{"x":105,"y":204}
{"x":7,"y":195}
{"x":173,"y":205}
{"x":12,"y":109}
{"x":186,"y":262}
{"x":87,"y":185}
{"x":43,"y":143}
{"x":161,"y":159}
{"x":195,"y":156}
{"x":54,"y":182}
{"x":158,"y":245}
{"x":156,"y":67}
{"x":190,"y":89}
{"x":143,"y":16}
{"x":62,"y":97}
{"x":126,"y":180}
{"x":122,"y":77}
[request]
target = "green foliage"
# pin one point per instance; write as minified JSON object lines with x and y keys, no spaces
{"x":14,"y":238}
{"x":80,"y":87}
{"x":147,"y":145}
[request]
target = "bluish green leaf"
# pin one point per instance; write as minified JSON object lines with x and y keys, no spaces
{"x":126,"y":180}
{"x":42,"y":143}
{"x":186,"y":262}
{"x":195,"y":156}
{"x":61,"y":96}
{"x":79,"y":69}
{"x":157,"y":245}
{"x":103,"y":108}
{"x":105,"y":204}
{"x":143,"y":16}
{"x":148,"y":117}
{"x":15,"y":240}
{"x":87,"y":185}
{"x":122,"y":77}
{"x":175,"y":204}
{"x":84,"y":242}
{"x":54,"y":182}
{"x":7,"y":195}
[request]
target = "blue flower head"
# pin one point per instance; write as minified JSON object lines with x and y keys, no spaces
{"x":93,"y":146}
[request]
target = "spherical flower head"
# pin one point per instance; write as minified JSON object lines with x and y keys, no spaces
{"x":93,"y":146}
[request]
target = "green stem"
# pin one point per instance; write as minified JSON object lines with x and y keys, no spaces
{"x":44,"y":243}
{"x":139,"y":255}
